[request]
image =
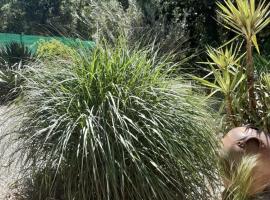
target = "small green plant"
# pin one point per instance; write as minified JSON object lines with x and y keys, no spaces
{"x":112,"y":125}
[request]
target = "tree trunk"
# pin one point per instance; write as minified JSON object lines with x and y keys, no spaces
{"x":250,"y":77}
{"x":230,"y":112}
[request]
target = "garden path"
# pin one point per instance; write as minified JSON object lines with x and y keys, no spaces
{"x":8,"y":173}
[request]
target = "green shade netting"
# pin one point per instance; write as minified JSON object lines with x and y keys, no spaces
{"x":32,"y":40}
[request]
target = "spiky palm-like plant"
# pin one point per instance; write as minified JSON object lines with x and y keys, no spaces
{"x":225,"y":67}
{"x":111,"y":127}
{"x":246,"y":19}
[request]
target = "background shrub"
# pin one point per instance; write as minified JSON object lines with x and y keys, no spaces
{"x":53,"y":48}
{"x":108,"y":20}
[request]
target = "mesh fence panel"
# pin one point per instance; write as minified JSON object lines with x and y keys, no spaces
{"x":32,"y":40}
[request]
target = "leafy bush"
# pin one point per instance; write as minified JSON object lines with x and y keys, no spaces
{"x":53,"y":48}
{"x":111,"y":125}
{"x":192,"y":20}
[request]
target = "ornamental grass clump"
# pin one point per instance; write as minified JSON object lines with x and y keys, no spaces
{"x":239,"y":178}
{"x":112,"y":126}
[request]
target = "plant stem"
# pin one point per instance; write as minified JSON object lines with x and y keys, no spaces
{"x":230,"y":112}
{"x":250,"y":77}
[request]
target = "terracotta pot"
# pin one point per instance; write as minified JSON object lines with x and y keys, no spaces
{"x":241,"y":141}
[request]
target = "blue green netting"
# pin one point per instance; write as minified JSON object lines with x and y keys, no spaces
{"x":32,"y":40}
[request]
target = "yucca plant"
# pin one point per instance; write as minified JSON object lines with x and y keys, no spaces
{"x":227,"y":74}
{"x":113,"y":126}
{"x":246,"y":19}
{"x":239,"y":178}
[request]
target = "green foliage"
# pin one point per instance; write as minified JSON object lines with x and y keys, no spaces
{"x":10,"y":82}
{"x":245,"y":98}
{"x":68,"y":17}
{"x":108,"y":20}
{"x":15,"y":52}
{"x":228,"y":76}
{"x":13,"y":57}
{"x":247,"y":19}
{"x":239,"y":177}
{"x":193,"y":20}
{"x":263,"y":92}
{"x":43,"y":17}
{"x":112,"y":126}
{"x":54,"y":48}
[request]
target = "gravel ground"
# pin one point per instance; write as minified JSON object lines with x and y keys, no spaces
{"x":8,"y":173}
